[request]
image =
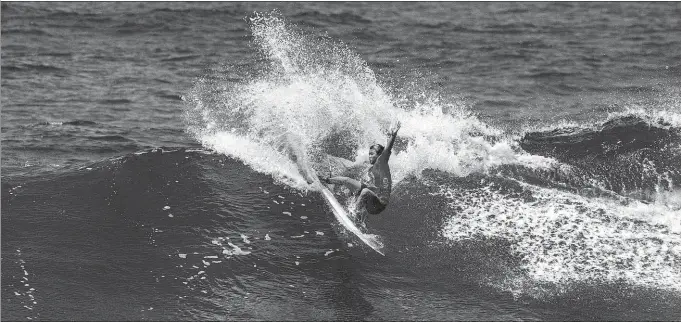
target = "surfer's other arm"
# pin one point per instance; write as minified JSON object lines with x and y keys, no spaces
{"x":391,"y":140}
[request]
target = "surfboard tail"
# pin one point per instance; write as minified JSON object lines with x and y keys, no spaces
{"x":349,"y":224}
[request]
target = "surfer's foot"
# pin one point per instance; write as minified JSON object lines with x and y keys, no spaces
{"x":324,"y":179}
{"x":360,"y":221}
{"x":361,"y":225}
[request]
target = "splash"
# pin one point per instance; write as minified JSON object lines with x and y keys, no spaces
{"x":308,"y":90}
{"x":314,"y":96}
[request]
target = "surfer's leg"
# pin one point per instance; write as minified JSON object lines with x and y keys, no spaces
{"x":360,"y":218}
{"x":352,"y":184}
{"x":370,"y":201}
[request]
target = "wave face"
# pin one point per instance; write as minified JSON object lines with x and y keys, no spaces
{"x":163,"y":234}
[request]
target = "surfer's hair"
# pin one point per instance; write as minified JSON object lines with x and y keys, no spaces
{"x":378,"y":148}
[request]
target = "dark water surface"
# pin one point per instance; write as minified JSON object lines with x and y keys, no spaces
{"x":146,"y":170}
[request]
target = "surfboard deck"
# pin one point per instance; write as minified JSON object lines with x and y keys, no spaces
{"x":347,"y":222}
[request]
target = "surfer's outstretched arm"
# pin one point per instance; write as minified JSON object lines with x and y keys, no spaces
{"x":391,"y":140}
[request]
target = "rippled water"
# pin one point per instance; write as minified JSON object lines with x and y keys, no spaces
{"x":147,"y":173}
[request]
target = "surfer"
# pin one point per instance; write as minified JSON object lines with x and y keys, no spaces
{"x":372,"y":192}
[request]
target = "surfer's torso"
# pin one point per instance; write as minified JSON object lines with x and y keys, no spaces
{"x":377,"y":178}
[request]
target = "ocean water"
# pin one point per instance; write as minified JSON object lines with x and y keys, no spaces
{"x":147,"y":168}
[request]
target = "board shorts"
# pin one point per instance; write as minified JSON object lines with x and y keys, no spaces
{"x":373,"y":204}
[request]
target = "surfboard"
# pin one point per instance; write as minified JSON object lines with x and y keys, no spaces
{"x":346,"y":221}
{"x":339,"y":212}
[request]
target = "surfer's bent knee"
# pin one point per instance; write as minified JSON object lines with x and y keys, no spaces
{"x":371,"y":202}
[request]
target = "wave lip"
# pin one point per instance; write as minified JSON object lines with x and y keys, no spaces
{"x":615,"y":137}
{"x":626,"y":155}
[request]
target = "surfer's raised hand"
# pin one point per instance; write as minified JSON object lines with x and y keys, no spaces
{"x":395,"y":128}
{"x":385,"y":154}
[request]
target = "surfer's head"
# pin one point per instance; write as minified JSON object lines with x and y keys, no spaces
{"x":374,"y":151}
